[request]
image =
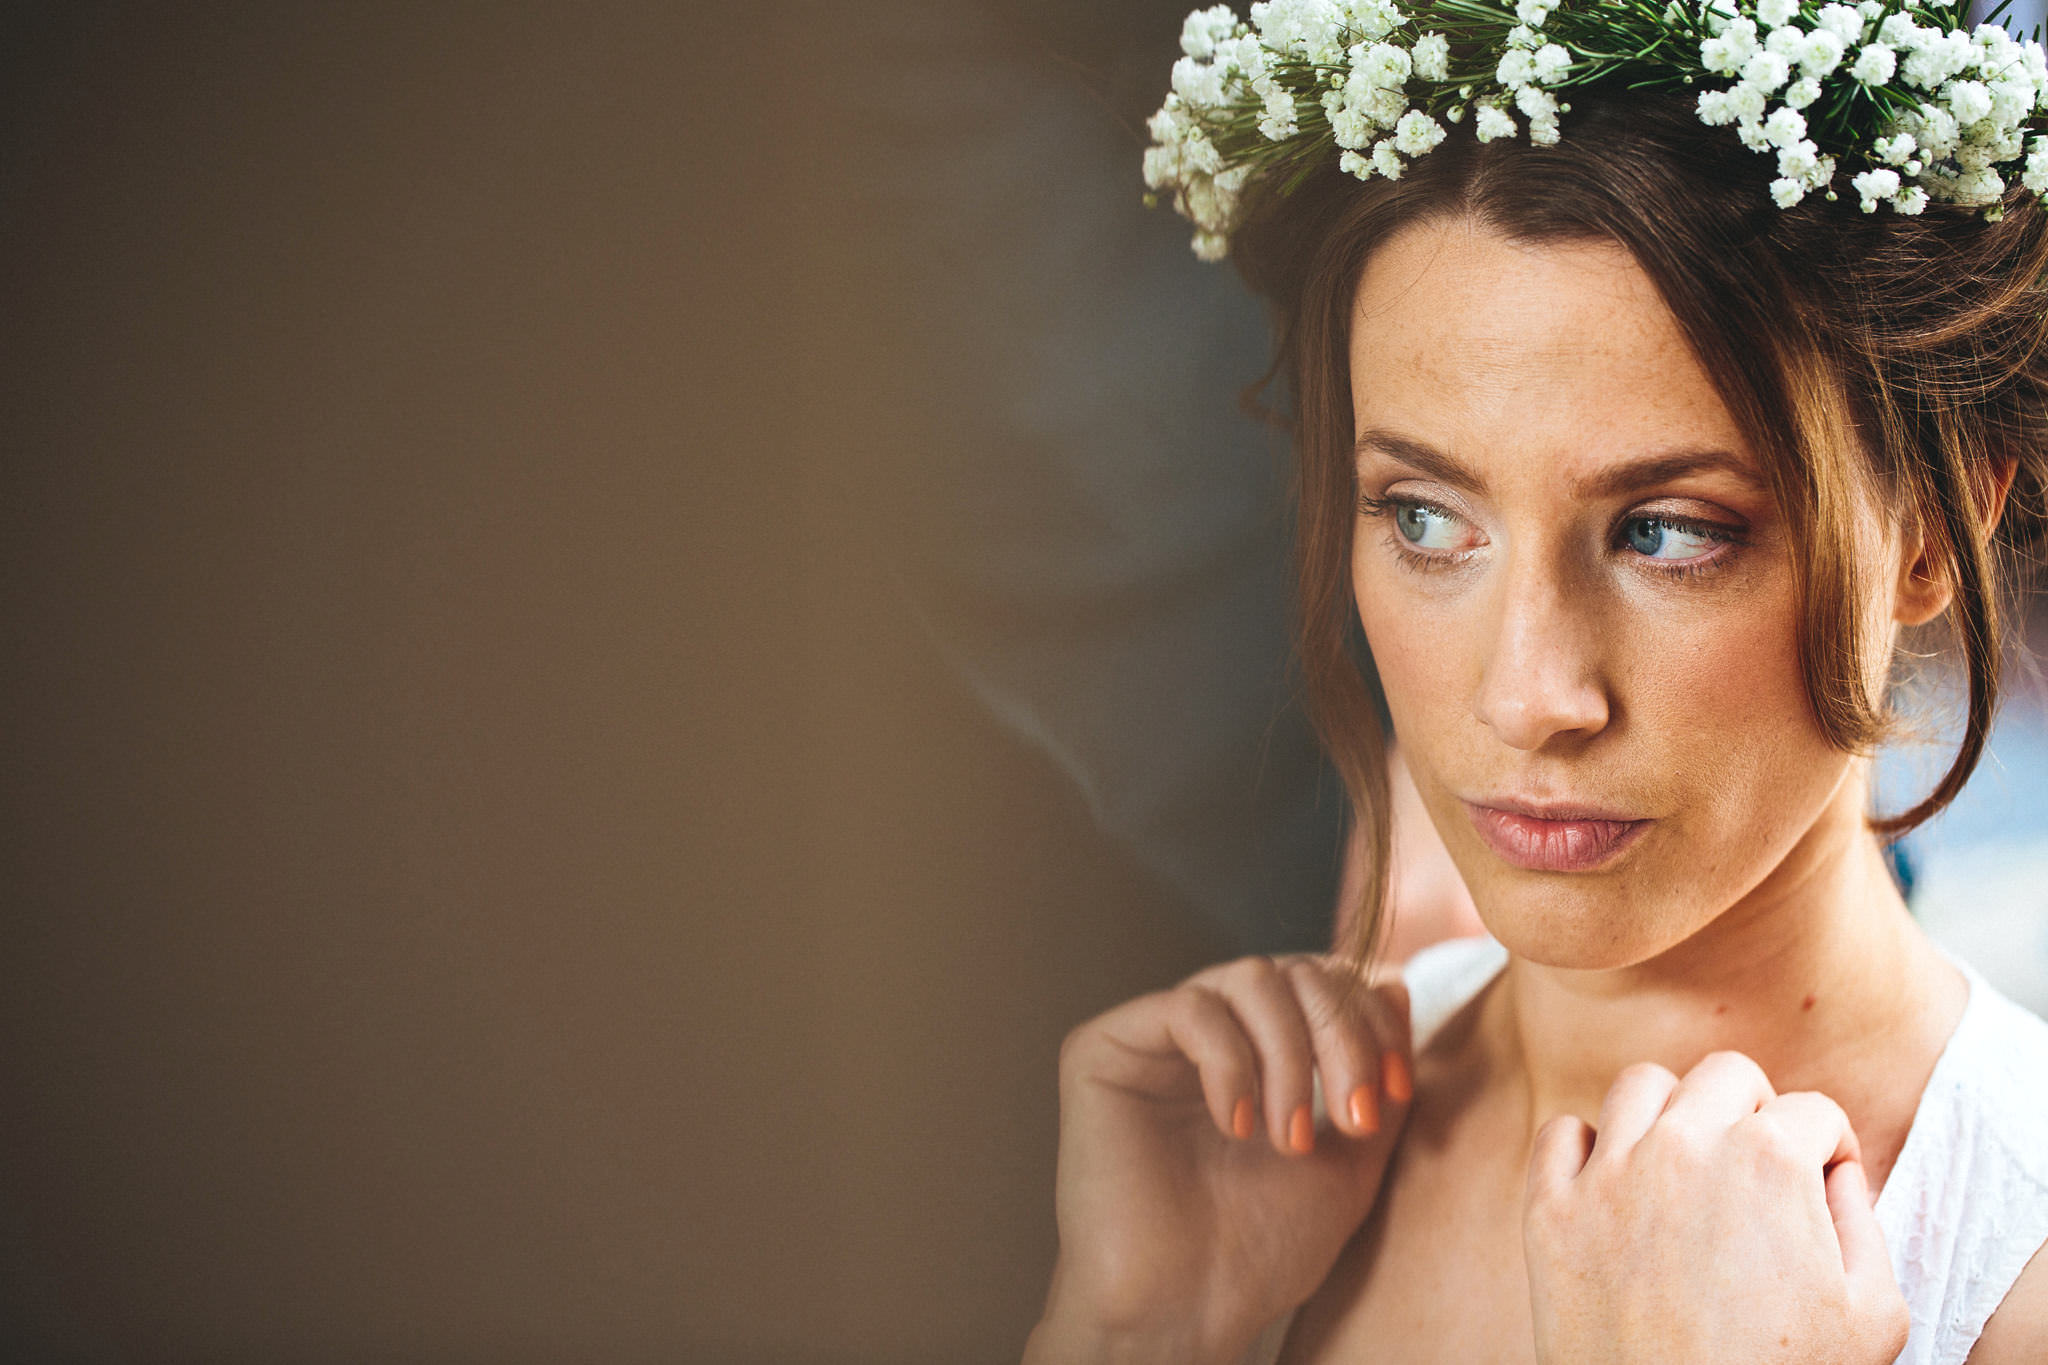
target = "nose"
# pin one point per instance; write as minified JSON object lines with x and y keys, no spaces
{"x":1543,"y":680}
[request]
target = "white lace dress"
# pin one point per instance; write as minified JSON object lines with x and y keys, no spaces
{"x":1966,"y":1204}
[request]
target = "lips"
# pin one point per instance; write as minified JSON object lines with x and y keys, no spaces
{"x":1553,"y":839}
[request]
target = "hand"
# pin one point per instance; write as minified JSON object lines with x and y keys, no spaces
{"x":1709,"y":1220}
{"x":1196,"y":1201}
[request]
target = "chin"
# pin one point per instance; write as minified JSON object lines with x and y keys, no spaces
{"x":1564,"y":922}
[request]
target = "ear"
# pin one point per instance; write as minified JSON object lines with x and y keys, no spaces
{"x":1923,"y":592}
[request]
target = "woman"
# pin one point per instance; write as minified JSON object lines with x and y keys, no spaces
{"x":1633,"y":463}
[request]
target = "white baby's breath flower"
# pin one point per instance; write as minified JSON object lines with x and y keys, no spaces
{"x":1897,"y":149}
{"x":1492,"y":122}
{"x":1385,"y":65}
{"x":1212,"y":247}
{"x":1996,"y":52}
{"x":1766,"y":71}
{"x":1774,"y":13}
{"x":1969,"y":101}
{"x":1802,"y":92}
{"x":1936,"y":130}
{"x":1729,"y":51}
{"x":1351,"y":128}
{"x":1199,"y":83}
{"x":1162,"y":167}
{"x":1910,"y":201}
{"x":1198,"y":154}
{"x":1384,"y":107}
{"x":1751,"y":131}
{"x":1376,"y":18}
{"x":1875,"y":64}
{"x":1876,"y":185}
{"x":1713,"y":108}
{"x":1785,"y":127}
{"x":1536,"y":103}
{"x":1821,"y":53}
{"x":1799,"y":162}
{"x":1386,"y":160}
{"x":1544,"y":132}
{"x":1936,"y":56}
{"x":2013,"y":97}
{"x":1432,"y":57}
{"x":1788,"y":42}
{"x":1551,"y":62}
{"x":1356,"y":163}
{"x":1524,"y":37}
{"x":1245,"y":53}
{"x":1279,"y":122}
{"x":1416,"y":133}
{"x":2035,"y":177}
{"x":1746,"y":103}
{"x":1842,"y":21}
{"x":1787,"y":192}
{"x":1979,"y":187}
{"x":1167,"y":125}
{"x":1204,"y":29}
{"x":1532,"y":12}
{"x":1898,"y":30}
{"x":1517,"y":68}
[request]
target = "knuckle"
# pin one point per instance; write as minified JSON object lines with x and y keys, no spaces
{"x":1074,"y":1047}
{"x":1643,"y":1074}
{"x":1764,"y":1139}
{"x":1728,"y":1059}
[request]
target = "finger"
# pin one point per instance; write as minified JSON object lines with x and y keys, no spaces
{"x":1388,"y":1002}
{"x":1807,"y":1128}
{"x":1866,"y":1264}
{"x":1203,"y":1027}
{"x":1259,"y":994}
{"x":1633,"y":1103}
{"x":1346,"y":1050}
{"x":1147,"y":1046}
{"x":1856,"y":1222}
{"x":1725,"y":1088}
{"x":1558,"y":1155}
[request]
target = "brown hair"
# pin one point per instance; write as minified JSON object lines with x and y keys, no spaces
{"x":1903,"y":350}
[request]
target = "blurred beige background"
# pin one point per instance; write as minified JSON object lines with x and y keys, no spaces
{"x":492,"y":868}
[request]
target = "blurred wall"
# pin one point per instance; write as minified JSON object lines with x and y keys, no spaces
{"x":493,"y":868}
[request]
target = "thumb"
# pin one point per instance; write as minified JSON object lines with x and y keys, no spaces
{"x":1865,"y":1261}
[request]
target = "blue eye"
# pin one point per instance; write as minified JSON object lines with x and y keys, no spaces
{"x":1669,"y":541}
{"x":1424,"y":526}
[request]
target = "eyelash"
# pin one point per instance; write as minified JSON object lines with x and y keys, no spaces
{"x":1424,"y":562}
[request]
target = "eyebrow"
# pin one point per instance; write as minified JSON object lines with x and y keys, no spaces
{"x":1630,"y":476}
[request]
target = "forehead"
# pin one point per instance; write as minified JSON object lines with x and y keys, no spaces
{"x":1561,"y":355}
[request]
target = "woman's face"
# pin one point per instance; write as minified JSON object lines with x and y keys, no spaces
{"x":1579,"y":595}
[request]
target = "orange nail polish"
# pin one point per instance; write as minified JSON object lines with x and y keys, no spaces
{"x":1365,"y":1110}
{"x":1400,"y":1085}
{"x":1242,"y":1119}
{"x":1301,"y":1131}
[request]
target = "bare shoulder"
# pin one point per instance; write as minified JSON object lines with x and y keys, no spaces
{"x":2017,"y":1333}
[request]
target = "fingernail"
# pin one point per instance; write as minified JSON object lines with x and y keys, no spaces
{"x":1365,"y":1110}
{"x":1243,"y":1119}
{"x":1301,"y":1131}
{"x":1400,"y":1085}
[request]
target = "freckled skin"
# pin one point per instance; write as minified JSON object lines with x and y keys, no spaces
{"x":1552,"y":665}
{"x":1540,"y":641}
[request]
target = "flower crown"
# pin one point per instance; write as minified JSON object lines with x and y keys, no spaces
{"x":1920,"y":108}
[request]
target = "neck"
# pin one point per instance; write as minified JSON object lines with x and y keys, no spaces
{"x":1812,"y":975}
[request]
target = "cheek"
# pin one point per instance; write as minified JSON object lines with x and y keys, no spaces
{"x":1426,"y":656}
